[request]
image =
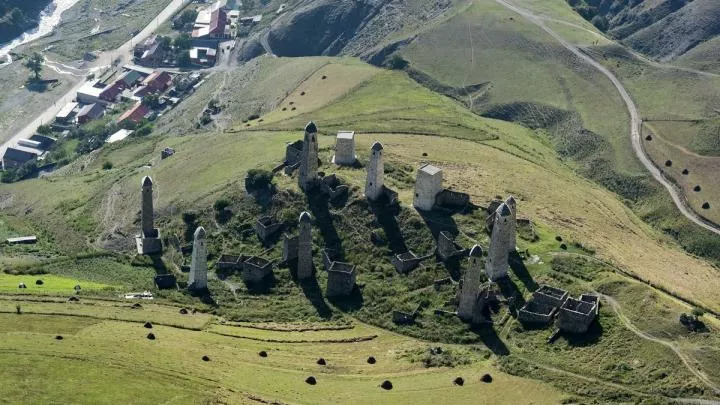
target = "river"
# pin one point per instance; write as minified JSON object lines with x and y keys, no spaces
{"x":49,"y":19}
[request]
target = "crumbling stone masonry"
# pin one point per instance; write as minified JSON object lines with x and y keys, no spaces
{"x":375,"y":171}
{"x":304,"y":255}
{"x":576,"y":316}
{"x":345,"y":149}
{"x":406,"y":262}
{"x":341,"y":279}
{"x":470,"y":284}
{"x":488,"y":294}
{"x":293,"y":156}
{"x":496,"y":265}
{"x":331,"y":186}
{"x":148,"y":241}
{"x":428,"y":184}
{"x":230,"y":262}
{"x":198,"y":266}
{"x":265,"y":227}
{"x":290,"y":248}
{"x":309,"y":158}
{"x":550,"y":296}
{"x":447,"y":248}
{"x":543,"y":306}
{"x":165,"y":281}
{"x":452,"y":200}
{"x":255,"y":269}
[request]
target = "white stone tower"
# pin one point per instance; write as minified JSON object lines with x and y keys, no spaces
{"x":510,"y":202}
{"x":470,"y":285}
{"x":309,"y":158}
{"x":345,"y":149}
{"x":428,"y":184}
{"x":496,"y":265}
{"x":305,"y":260}
{"x":375,"y":172}
{"x":198,"y":266}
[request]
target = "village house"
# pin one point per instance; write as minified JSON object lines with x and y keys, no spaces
{"x":90,"y":112}
{"x":16,"y":157}
{"x":134,"y":115}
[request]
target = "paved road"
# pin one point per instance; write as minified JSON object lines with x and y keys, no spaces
{"x":105,"y":59}
{"x":635,"y":121}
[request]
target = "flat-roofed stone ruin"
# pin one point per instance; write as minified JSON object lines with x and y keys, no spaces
{"x":198,"y":266}
{"x":266,"y":227}
{"x":408,"y":261}
{"x":165,"y":281}
{"x":256,"y":269}
{"x":576,"y":316}
{"x":403,"y":318}
{"x":470,"y":285}
{"x":447,"y":248}
{"x":533,"y":312}
{"x":341,"y":279}
{"x":304,"y":251}
{"x":502,"y":242}
{"x":332,"y":187}
{"x":308,"y":177}
{"x":345,"y":149}
{"x":290,"y":248}
{"x":227,"y":263}
{"x":148,"y":241}
{"x":293,"y":155}
{"x":428,"y":183}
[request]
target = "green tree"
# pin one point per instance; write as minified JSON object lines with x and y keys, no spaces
{"x":151,"y":101}
{"x":183,"y":59}
{"x":182,"y":42}
{"x":188,"y":16}
{"x":35,"y":65}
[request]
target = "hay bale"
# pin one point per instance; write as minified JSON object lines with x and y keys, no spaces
{"x":324,"y":77}
{"x":302,"y":93}
{"x":668,"y":163}
{"x":311,"y":380}
{"x":151,"y":336}
{"x":558,"y":238}
{"x":686,"y":172}
{"x":39,"y":282}
{"x":459,"y":381}
{"x":58,"y":337}
{"x":205,"y":358}
{"x":73,"y":299}
{"x":563,"y":246}
{"x":371,"y":360}
{"x":386,"y":385}
{"x":697,"y":189}
{"x":321,"y":361}
{"x":148,"y":325}
{"x":706,"y":206}
{"x":648,"y":138}
{"x":136,"y":305}
{"x":486,"y":378}
{"x":263,"y":354}
{"x":183,"y":311}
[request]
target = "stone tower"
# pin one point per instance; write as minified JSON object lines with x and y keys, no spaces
{"x":503,"y":235}
{"x":147,"y":207}
{"x":305,"y":260}
{"x":510,"y":202}
{"x":148,"y":241}
{"x":470,"y":284}
{"x":198,"y":266}
{"x":375,"y":172}
{"x":428,"y":184}
{"x":309,"y":158}
{"x":345,"y":149}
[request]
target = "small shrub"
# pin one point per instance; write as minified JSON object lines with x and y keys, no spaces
{"x":107,"y":165}
{"x":221,"y":204}
{"x":258,"y":179}
{"x":189,"y":217}
{"x":698,"y":312}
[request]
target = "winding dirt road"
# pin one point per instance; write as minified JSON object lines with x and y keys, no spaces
{"x":635,"y":121}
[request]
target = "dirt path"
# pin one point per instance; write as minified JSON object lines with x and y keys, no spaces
{"x":684,"y":358}
{"x":635,"y":121}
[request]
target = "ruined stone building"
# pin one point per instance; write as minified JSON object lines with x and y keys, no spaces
{"x":447,"y":248}
{"x":501,"y":240}
{"x":510,"y":202}
{"x":256,"y":269}
{"x":345,"y":149}
{"x":290,"y":248}
{"x":309,"y":158}
{"x":304,"y":252}
{"x":198,"y":265}
{"x":341,"y":279}
{"x":375,"y":171}
{"x":428,"y":184}
{"x":266,"y":227}
{"x":148,"y":241}
{"x":543,"y":306}
{"x":576,"y":316}
{"x":470,"y":284}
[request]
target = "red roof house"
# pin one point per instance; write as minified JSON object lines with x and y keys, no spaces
{"x":135,"y":114}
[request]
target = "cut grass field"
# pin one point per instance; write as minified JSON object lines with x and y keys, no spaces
{"x":137,"y":370}
{"x":701,"y":171}
{"x":51,"y":284}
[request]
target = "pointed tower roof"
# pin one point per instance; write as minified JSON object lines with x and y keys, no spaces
{"x":311,"y":128}
{"x":305,"y":217}
{"x":377,"y":146}
{"x":504,"y":210}
{"x":200,"y":233}
{"x":147,"y":181}
{"x":476,"y":251}
{"x":510,"y":201}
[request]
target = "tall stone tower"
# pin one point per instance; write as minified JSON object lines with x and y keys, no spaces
{"x":148,"y":241}
{"x":305,"y":260}
{"x":503,"y":234}
{"x":470,"y":285}
{"x":428,"y":184}
{"x":510,"y":202}
{"x":309,"y":158}
{"x":198,"y":266}
{"x":375,"y":172}
{"x":146,"y":218}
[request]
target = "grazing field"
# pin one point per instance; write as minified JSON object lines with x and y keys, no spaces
{"x":50,"y":284}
